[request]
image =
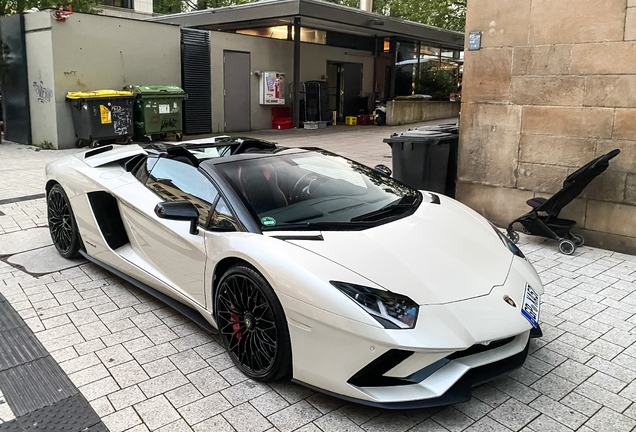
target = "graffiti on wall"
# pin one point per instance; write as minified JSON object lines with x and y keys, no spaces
{"x":122,"y":120}
{"x":44,"y":94}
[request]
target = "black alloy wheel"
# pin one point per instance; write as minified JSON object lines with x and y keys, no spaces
{"x":252,"y":325}
{"x":62,"y":224}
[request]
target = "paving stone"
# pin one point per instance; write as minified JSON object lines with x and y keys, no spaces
{"x":486,"y":424}
{"x":322,"y":402}
{"x":554,"y":386}
{"x":204,"y":408}
{"x":121,"y":420}
{"x":99,"y":388}
{"x":602,"y":396}
{"x":512,"y":414}
{"x":233,"y":375}
{"x":337,"y":422}
{"x":295,"y":416}
{"x":388,"y":421}
{"x":25,"y":240}
{"x":89,"y":375}
{"x":154,"y":353}
{"x":44,"y":260}
{"x":127,"y":397}
{"x":247,"y":390}
{"x":607,"y":382}
{"x":158,"y":367}
{"x":114,"y":356}
{"x":156,"y":412}
{"x":451,"y":419}
{"x":245,"y":418}
{"x":546,"y":423}
{"x":207,"y":381}
{"x":183,"y":395}
{"x":188,"y":361}
{"x":272,"y":402}
{"x":558,"y":412}
{"x":138,"y":344}
{"x":162,"y":383}
{"x":490,"y":395}
{"x":128,"y":374}
{"x":291,"y":392}
{"x":605,"y":417}
{"x":216,"y":424}
{"x":604,"y":349}
{"x":102,"y":406}
{"x":580,"y":403}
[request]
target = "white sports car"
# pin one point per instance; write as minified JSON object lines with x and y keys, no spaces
{"x":310,"y":266}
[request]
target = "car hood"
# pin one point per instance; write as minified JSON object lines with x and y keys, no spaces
{"x":442,"y":253}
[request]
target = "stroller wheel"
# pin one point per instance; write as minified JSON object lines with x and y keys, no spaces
{"x":513,"y":236}
{"x":577,"y":239}
{"x":567,"y":247}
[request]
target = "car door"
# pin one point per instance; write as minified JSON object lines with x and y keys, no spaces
{"x":177,"y":257}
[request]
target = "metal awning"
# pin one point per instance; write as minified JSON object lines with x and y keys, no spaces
{"x":314,"y":14}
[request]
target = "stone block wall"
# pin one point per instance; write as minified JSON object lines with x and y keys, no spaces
{"x":553,"y":86}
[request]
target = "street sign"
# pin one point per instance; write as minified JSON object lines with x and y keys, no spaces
{"x":474,"y":40}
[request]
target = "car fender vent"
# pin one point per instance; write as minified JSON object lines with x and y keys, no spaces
{"x":106,"y":211}
{"x":97,"y":151}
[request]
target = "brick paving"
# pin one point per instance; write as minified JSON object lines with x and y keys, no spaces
{"x":144,"y":367}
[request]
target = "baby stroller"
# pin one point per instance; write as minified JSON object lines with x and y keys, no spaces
{"x":550,"y":225}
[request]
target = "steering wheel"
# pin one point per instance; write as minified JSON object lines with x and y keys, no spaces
{"x":302,"y":188}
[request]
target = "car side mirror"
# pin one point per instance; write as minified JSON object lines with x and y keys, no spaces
{"x":179,"y":210}
{"x":384,"y":170}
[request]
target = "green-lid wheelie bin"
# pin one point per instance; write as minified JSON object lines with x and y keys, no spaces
{"x":158,"y":111}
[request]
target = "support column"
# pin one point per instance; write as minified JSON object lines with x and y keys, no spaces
{"x":296,"y":77}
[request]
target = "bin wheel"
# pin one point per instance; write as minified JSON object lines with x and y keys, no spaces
{"x":179,"y":137}
{"x":513,"y":236}
{"x":163,"y":135}
{"x":577,"y":239}
{"x":94,"y":144}
{"x":567,"y":247}
{"x":128,"y":140}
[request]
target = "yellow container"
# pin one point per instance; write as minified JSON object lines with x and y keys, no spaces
{"x":351,"y":120}
{"x":98,"y":93}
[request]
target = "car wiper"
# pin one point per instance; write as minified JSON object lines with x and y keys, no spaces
{"x":395,"y":208}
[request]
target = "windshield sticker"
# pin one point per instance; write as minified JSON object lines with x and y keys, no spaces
{"x":268,"y":221}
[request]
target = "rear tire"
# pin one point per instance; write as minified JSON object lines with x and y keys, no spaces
{"x":62,"y":225}
{"x":252,"y":325}
{"x":567,"y":247}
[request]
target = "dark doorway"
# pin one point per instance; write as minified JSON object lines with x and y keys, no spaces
{"x":236,"y":89}
{"x":195,"y":79}
{"x":345,"y":89}
{"x":15,"y":83}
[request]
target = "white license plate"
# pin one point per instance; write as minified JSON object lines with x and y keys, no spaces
{"x":530,"y":306}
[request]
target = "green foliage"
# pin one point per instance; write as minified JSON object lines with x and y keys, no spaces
{"x":438,"y":83}
{"x":9,"y":7}
{"x":448,"y":14}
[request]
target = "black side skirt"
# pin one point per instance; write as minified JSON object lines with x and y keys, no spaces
{"x":459,"y":392}
{"x":184,"y":310}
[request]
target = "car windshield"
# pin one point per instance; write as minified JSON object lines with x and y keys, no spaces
{"x":317,"y":189}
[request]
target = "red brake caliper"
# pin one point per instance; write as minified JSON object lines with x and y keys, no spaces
{"x":236,"y":326}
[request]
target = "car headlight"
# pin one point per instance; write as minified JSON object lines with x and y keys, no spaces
{"x":508,"y":243}
{"x":393,"y":311}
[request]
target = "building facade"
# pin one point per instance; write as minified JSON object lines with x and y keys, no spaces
{"x":552,"y":87}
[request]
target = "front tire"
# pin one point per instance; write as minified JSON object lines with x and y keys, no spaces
{"x":252,"y":325}
{"x":62,"y":225}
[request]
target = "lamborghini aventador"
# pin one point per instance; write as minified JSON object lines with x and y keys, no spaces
{"x":310,"y":266}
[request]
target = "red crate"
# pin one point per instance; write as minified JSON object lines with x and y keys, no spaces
{"x":364,"y":119}
{"x":282,"y":123}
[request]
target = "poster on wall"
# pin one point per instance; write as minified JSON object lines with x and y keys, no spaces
{"x":272,"y":88}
